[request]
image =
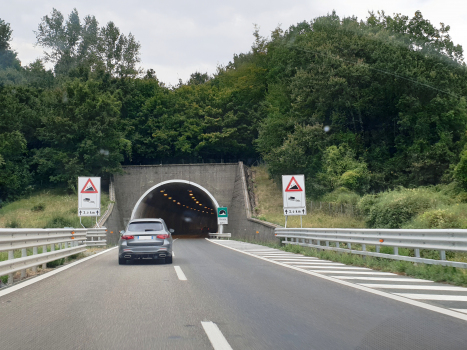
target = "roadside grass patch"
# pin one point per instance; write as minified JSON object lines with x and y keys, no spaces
{"x":53,"y":207}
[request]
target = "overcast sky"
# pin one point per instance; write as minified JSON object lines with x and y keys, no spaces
{"x":180,"y":37}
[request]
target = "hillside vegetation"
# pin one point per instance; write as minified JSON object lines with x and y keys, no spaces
{"x":46,"y":209}
{"x":440,"y":207}
{"x":358,"y":106}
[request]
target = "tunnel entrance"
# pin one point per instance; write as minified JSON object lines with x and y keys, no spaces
{"x":185,"y":206}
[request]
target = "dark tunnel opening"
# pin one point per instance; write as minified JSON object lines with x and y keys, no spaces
{"x":185,"y":207}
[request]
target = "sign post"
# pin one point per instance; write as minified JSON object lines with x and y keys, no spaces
{"x":89,"y":197}
{"x":222,"y":216}
{"x":293,"y":196}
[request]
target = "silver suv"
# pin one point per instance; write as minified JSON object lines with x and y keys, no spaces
{"x":145,"y":239}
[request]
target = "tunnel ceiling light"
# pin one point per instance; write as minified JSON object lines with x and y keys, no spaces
{"x":191,"y":194}
{"x":197,"y":202}
{"x":174,"y":200}
{"x":178,"y":203}
{"x":162,"y":190}
{"x":165,"y":194}
{"x":190,"y":191}
{"x":170,"y":197}
{"x":200,"y":204}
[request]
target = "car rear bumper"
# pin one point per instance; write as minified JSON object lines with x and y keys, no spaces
{"x":144,"y":253}
{"x":138,"y":255}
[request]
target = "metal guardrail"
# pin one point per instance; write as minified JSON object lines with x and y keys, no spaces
{"x":55,"y":244}
{"x":220,"y":235}
{"x":441,"y":240}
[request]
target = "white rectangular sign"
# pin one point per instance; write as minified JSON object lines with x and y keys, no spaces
{"x":89,"y":196}
{"x":293,"y":194}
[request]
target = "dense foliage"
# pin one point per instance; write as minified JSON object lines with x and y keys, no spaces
{"x":360,"y":105}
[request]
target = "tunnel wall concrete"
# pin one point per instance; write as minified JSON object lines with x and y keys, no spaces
{"x":226,"y":182}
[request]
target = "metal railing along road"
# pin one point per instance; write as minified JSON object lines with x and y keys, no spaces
{"x":54,"y":244}
{"x":441,"y":240}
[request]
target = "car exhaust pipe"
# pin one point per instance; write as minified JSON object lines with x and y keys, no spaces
{"x":127,"y":256}
{"x":161,"y":255}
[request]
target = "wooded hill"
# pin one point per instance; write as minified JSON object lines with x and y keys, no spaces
{"x":362,"y":105}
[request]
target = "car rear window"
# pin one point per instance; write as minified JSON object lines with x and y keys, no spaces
{"x":145,"y":226}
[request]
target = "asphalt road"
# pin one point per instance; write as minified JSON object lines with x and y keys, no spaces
{"x":254,"y":303}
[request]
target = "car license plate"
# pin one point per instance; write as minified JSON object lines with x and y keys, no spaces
{"x":144,"y":237}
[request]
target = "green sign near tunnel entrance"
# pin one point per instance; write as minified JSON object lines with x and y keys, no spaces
{"x":222,"y":216}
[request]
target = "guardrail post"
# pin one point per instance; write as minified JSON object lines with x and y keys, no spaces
{"x":11,"y":256}
{"x":377,"y":248}
{"x":44,"y":250}
{"x":363,"y":247}
{"x":327,"y":243}
{"x":52,"y":247}
{"x":417,"y":252}
{"x":337,"y":244}
{"x":34,"y":252}
{"x":443,"y":254}
{"x":396,"y":251}
{"x":349,"y":245}
{"x":24,"y":254}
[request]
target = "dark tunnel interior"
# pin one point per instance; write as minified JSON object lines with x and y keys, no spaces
{"x":185,"y":208}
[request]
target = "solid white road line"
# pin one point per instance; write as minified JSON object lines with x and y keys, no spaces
{"x":181,"y":276}
{"x":409,"y":286}
{"x":215,"y":336}
{"x":310,"y":262}
{"x":386,"y":279}
{"x":300,"y":259}
{"x":399,"y":298}
{"x":354,"y":272}
{"x":49,"y":274}
{"x":461,"y":310}
{"x":433,"y":297}
{"x":336,"y":267}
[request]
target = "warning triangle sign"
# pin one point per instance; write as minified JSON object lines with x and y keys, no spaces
{"x":89,"y":187}
{"x":293,"y":186}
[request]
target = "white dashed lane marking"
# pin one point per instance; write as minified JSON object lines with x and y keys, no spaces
{"x":433,"y":297}
{"x":181,"y":276}
{"x":215,"y":336}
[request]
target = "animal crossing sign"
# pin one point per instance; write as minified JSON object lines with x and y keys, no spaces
{"x":293,"y":194}
{"x":89,"y":196}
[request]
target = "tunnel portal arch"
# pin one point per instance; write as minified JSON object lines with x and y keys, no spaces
{"x":187,"y":207}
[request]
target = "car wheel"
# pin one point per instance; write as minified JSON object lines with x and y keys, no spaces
{"x":121,"y":261}
{"x":168,"y":260}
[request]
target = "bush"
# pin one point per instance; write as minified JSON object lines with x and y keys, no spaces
{"x":394,"y":209}
{"x":4,"y":279}
{"x":55,"y":263}
{"x":38,"y":207}
{"x":59,"y":222}
{"x":342,"y":195}
{"x":443,"y":217}
{"x":13,"y":224}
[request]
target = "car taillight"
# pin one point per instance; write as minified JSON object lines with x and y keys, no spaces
{"x":128,"y":237}
{"x":164,"y":236}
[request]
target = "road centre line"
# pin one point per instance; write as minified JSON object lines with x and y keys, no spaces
{"x":411,"y":287}
{"x":399,"y":298}
{"x":181,"y":276}
{"x":215,"y":336}
{"x":312,"y":263}
{"x":433,"y":297}
{"x":386,"y":279}
{"x":14,"y":288}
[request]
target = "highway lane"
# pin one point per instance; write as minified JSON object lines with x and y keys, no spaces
{"x":255,"y":304}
